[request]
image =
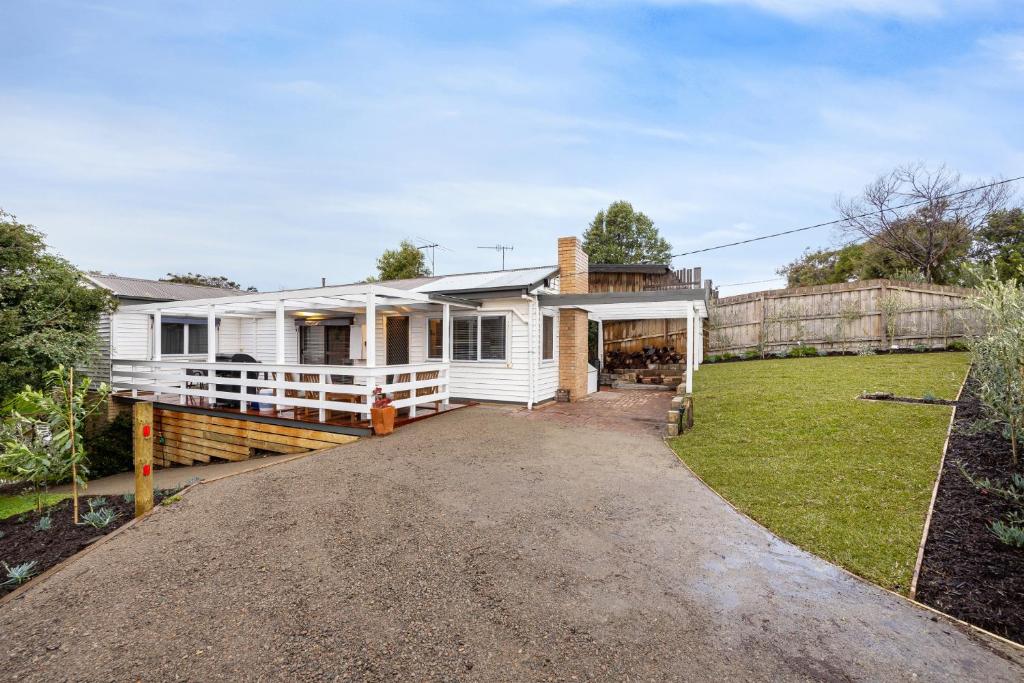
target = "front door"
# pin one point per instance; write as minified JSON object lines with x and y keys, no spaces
{"x":396,"y":334}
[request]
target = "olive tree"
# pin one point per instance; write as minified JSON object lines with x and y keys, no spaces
{"x":998,"y":356}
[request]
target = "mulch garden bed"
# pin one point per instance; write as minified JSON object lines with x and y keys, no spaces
{"x":966,"y":571}
{"x":21,"y":541}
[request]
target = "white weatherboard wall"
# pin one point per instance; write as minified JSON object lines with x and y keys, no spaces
{"x":547,"y":370}
{"x":507,"y":380}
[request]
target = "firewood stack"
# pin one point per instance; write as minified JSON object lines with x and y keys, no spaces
{"x":640,"y":360}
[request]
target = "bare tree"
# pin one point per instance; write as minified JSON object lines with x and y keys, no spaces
{"x":926,"y":217}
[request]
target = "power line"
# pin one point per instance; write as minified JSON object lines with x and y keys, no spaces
{"x":841,"y":220}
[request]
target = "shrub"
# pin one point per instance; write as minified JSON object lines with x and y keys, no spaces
{"x":957,"y":346}
{"x":19,"y":573}
{"x":713,"y":358}
{"x":920,"y":348}
{"x":998,"y":356}
{"x":110,"y":448}
{"x":728,"y":356}
{"x":803,"y":351}
{"x":751,"y":355}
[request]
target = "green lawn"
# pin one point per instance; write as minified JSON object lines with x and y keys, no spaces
{"x":788,"y":443}
{"x":14,"y":505}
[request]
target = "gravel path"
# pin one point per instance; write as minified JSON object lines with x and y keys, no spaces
{"x":471,"y":546}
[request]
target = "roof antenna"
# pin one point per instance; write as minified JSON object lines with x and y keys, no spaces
{"x":323,"y":282}
{"x":431,"y":247}
{"x":502,"y":248}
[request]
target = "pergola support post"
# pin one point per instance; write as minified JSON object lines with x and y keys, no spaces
{"x":279,"y":341}
{"x":371,"y":338}
{"x":689,"y":350}
{"x":446,"y":335}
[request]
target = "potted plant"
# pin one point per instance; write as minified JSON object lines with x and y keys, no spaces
{"x":382,"y":413}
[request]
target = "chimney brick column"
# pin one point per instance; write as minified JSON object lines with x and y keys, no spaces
{"x":573,"y":266}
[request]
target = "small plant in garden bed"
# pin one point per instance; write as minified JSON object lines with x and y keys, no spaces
{"x":751,"y":355}
{"x":21,"y":542}
{"x":44,"y":523}
{"x":19,"y":573}
{"x":1010,"y":529}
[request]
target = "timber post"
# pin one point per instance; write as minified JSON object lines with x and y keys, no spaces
{"x":142,"y":446}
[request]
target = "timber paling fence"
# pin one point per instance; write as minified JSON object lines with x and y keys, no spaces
{"x":851,"y":316}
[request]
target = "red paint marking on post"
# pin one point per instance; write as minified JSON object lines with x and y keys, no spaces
{"x":145,"y":431}
{"x":145,"y":470}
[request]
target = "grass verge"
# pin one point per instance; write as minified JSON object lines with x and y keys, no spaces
{"x":789,"y":443}
{"x":15,"y":505}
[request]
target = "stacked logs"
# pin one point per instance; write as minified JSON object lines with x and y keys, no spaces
{"x":650,"y":355}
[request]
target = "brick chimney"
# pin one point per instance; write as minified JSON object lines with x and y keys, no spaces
{"x":573,"y":277}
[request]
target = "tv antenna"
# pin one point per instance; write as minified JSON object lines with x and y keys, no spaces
{"x":502,"y":248}
{"x":431,"y":245}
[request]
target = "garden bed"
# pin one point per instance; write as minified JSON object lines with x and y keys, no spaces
{"x":22,"y":541}
{"x":966,"y":571}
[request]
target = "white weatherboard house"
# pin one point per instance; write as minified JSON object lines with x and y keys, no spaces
{"x":316,"y":354}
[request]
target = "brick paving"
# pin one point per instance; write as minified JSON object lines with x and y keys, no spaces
{"x":621,"y":410}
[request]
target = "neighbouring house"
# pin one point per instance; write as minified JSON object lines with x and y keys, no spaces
{"x":315,"y":355}
{"x":127,"y":335}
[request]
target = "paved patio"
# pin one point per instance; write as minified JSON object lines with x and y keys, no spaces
{"x":631,"y":411}
{"x":474,"y":546}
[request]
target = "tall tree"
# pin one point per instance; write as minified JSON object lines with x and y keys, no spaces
{"x":1001,"y":243}
{"x":405,"y":262}
{"x":935,"y":230}
{"x":218,"y":281}
{"x":48,"y":316}
{"x":620,"y":234}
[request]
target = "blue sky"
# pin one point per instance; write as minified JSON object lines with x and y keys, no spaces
{"x":279,"y":143}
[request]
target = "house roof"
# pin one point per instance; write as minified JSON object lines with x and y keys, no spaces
{"x":488,"y":280}
{"x":156,"y":290}
{"x":518,"y":278}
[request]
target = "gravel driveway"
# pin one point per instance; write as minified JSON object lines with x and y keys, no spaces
{"x":471,"y":546}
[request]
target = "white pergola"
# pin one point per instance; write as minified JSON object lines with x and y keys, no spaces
{"x":679,"y":304}
{"x":357,"y":298}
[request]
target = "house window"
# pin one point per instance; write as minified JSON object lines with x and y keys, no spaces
{"x":547,"y":338}
{"x":435,"y":338}
{"x":172,"y":338}
{"x":492,"y":337}
{"x":197,"y":339}
{"x":464,"y":338}
{"x":183,"y":338}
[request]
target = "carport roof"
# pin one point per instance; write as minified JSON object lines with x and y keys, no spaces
{"x":675,"y":303}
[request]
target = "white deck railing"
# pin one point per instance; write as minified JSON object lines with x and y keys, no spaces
{"x":344,"y":388}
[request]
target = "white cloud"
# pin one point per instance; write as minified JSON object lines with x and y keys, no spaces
{"x":806,"y":9}
{"x":93,"y":142}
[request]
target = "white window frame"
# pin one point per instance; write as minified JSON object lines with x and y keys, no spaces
{"x":426,"y":337}
{"x":554,"y":338}
{"x":478,"y":315}
{"x":184,"y":341}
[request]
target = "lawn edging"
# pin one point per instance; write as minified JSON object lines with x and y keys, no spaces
{"x":63,"y":564}
{"x":976,"y":630}
{"x":935,"y":492}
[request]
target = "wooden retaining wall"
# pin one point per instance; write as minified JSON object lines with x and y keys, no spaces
{"x":185,"y":438}
{"x":842,"y":317}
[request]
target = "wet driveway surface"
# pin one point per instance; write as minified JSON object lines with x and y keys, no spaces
{"x":472,"y":546}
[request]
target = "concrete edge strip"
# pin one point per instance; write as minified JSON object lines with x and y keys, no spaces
{"x":63,"y":564}
{"x":971,"y":628}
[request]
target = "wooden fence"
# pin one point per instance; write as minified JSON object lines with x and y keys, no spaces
{"x":842,"y":317}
